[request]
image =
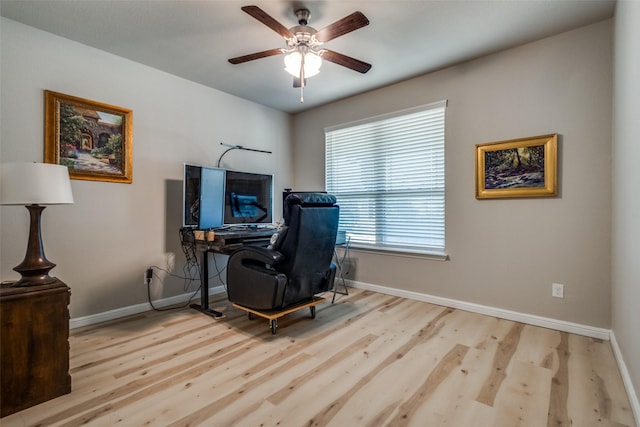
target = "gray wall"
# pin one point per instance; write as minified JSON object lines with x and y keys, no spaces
{"x":104,"y":242}
{"x":505,"y":253}
{"x":626,"y":177}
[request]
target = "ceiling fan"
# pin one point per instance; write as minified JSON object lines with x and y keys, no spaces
{"x":304,"y":52}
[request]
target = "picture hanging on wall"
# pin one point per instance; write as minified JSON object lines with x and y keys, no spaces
{"x":94,"y":140}
{"x":525,"y":167}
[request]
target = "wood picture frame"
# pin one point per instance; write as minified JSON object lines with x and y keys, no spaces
{"x":94,"y":140}
{"x":525,"y":167}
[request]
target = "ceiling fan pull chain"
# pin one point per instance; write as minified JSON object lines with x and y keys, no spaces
{"x":302,"y":80}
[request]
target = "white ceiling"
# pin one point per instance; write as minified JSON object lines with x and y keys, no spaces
{"x":405,"y":38}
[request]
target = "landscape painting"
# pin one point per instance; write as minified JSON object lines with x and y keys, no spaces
{"x":525,"y":167}
{"x":92,"y":139}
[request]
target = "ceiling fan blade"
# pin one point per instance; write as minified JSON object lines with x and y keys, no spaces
{"x":341,"y":27}
{"x":256,"y":55}
{"x":267,"y":20}
{"x":346,"y":61}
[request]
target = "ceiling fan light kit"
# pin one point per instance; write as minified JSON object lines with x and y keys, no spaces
{"x":304,"y":54}
{"x":309,"y":64}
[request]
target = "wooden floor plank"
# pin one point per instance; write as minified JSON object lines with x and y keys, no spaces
{"x":367,"y":360}
{"x":593,"y":378}
{"x":502,"y":358}
{"x":558,"y":413}
{"x":523,"y":399}
{"x":406,"y":414}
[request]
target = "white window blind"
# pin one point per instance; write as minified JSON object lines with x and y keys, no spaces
{"x":388,"y":176}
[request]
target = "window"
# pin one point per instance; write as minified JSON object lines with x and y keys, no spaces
{"x":388,"y":176}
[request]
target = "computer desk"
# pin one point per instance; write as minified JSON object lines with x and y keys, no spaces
{"x":225,"y":242}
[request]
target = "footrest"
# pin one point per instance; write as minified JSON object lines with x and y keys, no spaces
{"x":273,"y":315}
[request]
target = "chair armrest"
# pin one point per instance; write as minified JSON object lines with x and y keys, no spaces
{"x":252,"y":282}
{"x":257,"y":254}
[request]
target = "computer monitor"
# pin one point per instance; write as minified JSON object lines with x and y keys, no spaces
{"x":248,"y":198}
{"x":203,"y":197}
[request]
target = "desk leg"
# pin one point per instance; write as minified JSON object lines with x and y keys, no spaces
{"x":203,"y":307}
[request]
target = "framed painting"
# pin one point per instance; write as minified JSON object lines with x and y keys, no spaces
{"x":525,"y":167}
{"x":94,"y":140}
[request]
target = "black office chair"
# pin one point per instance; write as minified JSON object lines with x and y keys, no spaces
{"x":298,"y":263}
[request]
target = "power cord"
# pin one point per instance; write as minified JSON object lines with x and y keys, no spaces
{"x":188,"y":242}
{"x":189,"y":276}
{"x":219,"y":272}
{"x":149,"y":278}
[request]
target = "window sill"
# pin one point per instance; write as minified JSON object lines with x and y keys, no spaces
{"x":433,"y":254}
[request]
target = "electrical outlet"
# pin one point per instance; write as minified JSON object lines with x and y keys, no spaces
{"x":557,"y":290}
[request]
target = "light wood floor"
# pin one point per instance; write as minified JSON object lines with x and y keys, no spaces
{"x":367,"y":360}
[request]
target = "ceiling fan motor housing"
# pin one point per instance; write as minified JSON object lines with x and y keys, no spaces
{"x":303,"y":32}
{"x":303,"y":16}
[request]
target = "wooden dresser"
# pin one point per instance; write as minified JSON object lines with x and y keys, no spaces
{"x":34,"y":347}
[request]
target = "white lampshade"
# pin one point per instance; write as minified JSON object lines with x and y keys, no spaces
{"x":34,"y":184}
{"x":312,"y":63}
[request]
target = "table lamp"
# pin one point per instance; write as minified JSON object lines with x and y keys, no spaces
{"x":34,"y":185}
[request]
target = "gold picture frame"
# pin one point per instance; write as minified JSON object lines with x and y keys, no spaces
{"x":94,"y":140}
{"x":525,"y":167}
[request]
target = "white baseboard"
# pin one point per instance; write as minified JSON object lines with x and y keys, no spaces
{"x":531,"y":319}
{"x":545,"y":322}
{"x":626,"y":379}
{"x":78,"y":322}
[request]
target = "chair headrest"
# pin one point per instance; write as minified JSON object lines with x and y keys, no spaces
{"x":306,"y":199}
{"x":311,"y":199}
